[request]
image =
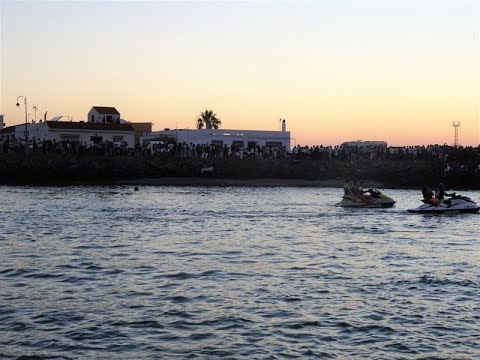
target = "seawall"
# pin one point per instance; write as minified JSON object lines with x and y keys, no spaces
{"x":57,"y":169}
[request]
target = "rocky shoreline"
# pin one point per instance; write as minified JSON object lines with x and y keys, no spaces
{"x":88,"y":169}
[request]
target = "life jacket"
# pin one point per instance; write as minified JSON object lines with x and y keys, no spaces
{"x":432,"y":200}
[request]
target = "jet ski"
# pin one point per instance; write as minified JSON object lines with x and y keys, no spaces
{"x":456,"y":204}
{"x":374,"y":199}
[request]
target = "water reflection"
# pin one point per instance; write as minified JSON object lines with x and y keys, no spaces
{"x":107,"y":272}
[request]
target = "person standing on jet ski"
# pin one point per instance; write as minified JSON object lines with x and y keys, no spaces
{"x":440,"y":194}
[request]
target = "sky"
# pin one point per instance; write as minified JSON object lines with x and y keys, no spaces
{"x":400,"y":71}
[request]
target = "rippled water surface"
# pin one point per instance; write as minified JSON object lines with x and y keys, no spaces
{"x":112,"y":273}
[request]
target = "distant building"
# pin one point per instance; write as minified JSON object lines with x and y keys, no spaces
{"x":364,"y":144}
{"x":104,"y":124}
{"x":228,"y":137}
{"x":103,"y":115}
{"x":141,"y":128}
{"x":110,"y":115}
{"x":88,"y":133}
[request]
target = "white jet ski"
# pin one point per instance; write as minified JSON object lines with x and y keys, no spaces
{"x":456,"y":204}
{"x":374,"y":199}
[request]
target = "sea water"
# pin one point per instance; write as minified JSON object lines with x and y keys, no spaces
{"x":233,"y":272}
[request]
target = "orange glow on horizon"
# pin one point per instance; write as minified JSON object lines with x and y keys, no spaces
{"x":336,"y":73}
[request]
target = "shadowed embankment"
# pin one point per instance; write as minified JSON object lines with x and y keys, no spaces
{"x":51,"y":169}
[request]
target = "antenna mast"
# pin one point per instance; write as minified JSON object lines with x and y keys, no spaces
{"x":456,"y":125}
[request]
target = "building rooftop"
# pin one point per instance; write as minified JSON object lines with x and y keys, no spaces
{"x":8,"y":130}
{"x":107,"y":110}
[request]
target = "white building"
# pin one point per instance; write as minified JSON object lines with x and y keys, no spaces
{"x":103,"y":125}
{"x":103,"y":114}
{"x":240,"y":138}
{"x":86,"y":132}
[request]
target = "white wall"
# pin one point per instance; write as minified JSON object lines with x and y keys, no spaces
{"x":41,"y":131}
{"x":206,"y":136}
{"x":36,"y":130}
{"x":84,"y":135}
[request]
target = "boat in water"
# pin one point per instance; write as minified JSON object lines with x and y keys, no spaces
{"x":456,"y":204}
{"x":374,"y":199}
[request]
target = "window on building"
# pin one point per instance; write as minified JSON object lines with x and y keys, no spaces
{"x":274,"y":144}
{"x":117,"y":138}
{"x":238,"y":144}
{"x":109,"y":118}
{"x":252,"y":145}
{"x":71,"y":137}
{"x":217,"y":142}
{"x":92,"y":118}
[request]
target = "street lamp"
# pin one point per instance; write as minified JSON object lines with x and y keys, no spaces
{"x":26,"y":116}
{"x":35,"y":109}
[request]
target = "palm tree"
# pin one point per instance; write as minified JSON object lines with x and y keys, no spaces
{"x":209,"y":120}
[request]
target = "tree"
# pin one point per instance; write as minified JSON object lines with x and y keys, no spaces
{"x":209,"y":120}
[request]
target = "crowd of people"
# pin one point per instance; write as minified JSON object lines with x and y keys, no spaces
{"x":213,"y":151}
{"x":454,"y":159}
{"x":403,"y":153}
{"x":17,"y":146}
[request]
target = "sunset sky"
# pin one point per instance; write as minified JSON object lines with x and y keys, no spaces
{"x":336,"y":70}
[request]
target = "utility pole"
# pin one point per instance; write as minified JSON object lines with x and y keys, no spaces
{"x":26,"y":115}
{"x":456,"y":125}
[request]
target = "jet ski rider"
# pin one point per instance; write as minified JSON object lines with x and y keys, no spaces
{"x":353,"y":188}
{"x":440,"y":194}
{"x":347,"y":187}
{"x":428,"y":197}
